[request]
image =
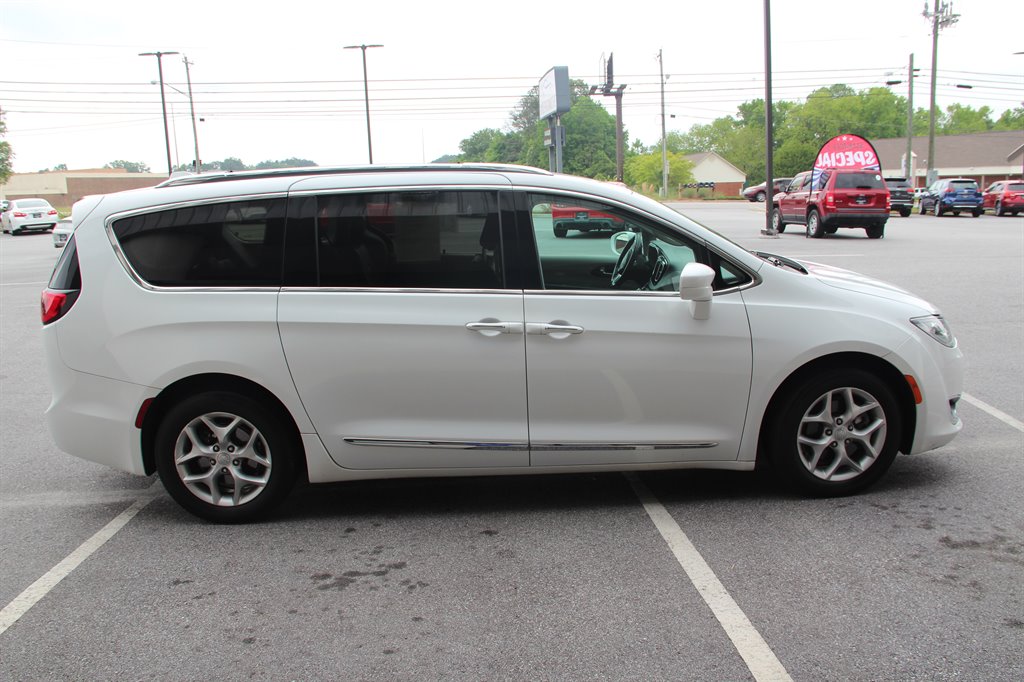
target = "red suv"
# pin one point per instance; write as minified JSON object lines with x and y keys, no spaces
{"x":565,"y":217}
{"x":826,"y":200}
{"x":1004,"y":196}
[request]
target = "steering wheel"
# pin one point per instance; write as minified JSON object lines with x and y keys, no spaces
{"x":630,"y":252}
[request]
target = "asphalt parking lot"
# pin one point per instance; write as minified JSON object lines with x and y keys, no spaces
{"x":661,"y":576}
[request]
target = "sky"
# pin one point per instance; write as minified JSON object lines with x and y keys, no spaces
{"x":273,"y":80}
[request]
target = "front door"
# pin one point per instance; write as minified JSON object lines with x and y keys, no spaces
{"x":623,"y":374}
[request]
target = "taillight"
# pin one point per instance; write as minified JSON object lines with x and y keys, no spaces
{"x":54,"y":305}
{"x":19,"y":214}
{"x":830,"y":200}
{"x":52,"y":211}
{"x":888,"y":202}
{"x":64,"y":287}
{"x":950,"y":191}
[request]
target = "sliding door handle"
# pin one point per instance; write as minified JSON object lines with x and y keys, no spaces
{"x":492,"y":327}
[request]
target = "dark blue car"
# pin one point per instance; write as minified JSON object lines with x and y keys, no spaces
{"x":952,"y":195}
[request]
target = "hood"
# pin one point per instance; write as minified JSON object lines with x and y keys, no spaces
{"x":854,"y":281}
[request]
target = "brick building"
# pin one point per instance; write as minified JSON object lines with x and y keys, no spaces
{"x":63,"y":188}
{"x":984,"y":157}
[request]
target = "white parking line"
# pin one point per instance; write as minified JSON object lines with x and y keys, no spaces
{"x":998,"y":414}
{"x":755,"y":652}
{"x":40,"y":588}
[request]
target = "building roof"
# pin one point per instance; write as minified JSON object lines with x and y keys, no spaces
{"x":989,"y":150}
{"x":698,"y":158}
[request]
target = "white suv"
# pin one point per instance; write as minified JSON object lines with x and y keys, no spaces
{"x":238,"y":332}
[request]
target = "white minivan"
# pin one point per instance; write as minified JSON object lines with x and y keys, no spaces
{"x":238,"y":332}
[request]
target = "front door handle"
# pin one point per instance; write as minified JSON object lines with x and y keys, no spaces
{"x":492,"y":327}
{"x":558,"y":329}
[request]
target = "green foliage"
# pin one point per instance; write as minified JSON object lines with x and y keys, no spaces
{"x":130,"y":166}
{"x":645,"y":169}
{"x":1012,"y":119}
{"x":6,"y":153}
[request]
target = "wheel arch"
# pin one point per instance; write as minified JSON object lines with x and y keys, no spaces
{"x":202,"y":383}
{"x":846,"y":360}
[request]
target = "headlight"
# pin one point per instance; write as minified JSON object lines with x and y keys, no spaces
{"x":936,"y":327}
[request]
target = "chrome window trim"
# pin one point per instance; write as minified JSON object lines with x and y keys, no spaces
{"x":395,"y":290}
{"x":108,"y":227}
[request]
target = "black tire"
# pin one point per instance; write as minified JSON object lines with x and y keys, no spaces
{"x":920,"y":208}
{"x":759,"y":197}
{"x":905,"y":212}
{"x":814,"y":226}
{"x":956,"y":212}
{"x":778,"y":224}
{"x":977,"y":212}
{"x":838,"y":457}
{"x":782,"y":228}
{"x":999,"y":209}
{"x":937,"y":209}
{"x":264,"y":454}
{"x":875,"y":231}
{"x":561,"y":231}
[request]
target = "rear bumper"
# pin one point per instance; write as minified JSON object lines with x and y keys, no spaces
{"x":855,"y":218}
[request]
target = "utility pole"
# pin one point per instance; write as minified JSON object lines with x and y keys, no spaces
{"x":609,"y":90}
{"x":941,"y":17}
{"x":664,"y":144}
{"x":910,"y":123}
{"x":192,"y":108}
{"x":163,"y":102}
{"x":769,"y":133}
{"x":366,"y":94}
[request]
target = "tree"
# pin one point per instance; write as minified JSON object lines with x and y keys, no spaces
{"x":475,"y":147}
{"x":130,"y":166}
{"x":1012,"y":119}
{"x":960,"y":119}
{"x":232,"y":164}
{"x":6,"y":153}
{"x":645,"y":169}
{"x":292,"y":162}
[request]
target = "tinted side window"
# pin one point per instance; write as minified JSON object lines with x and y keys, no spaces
{"x":220,"y":245}
{"x":579,"y":243}
{"x":414,"y":239}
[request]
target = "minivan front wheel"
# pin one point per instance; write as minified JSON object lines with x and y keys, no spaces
{"x":224,"y":457}
{"x":837,"y":434}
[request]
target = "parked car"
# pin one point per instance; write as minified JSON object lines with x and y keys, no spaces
{"x":23,"y":215}
{"x":757,"y":192}
{"x":831,"y":199}
{"x":1004,"y":196}
{"x":238,"y":332}
{"x":62,"y":232}
{"x":901,"y":197}
{"x":952,"y":195}
{"x":565,"y":217}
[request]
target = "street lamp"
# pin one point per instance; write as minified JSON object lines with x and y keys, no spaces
{"x":197,"y":164}
{"x":163,"y":101}
{"x":366,"y":94}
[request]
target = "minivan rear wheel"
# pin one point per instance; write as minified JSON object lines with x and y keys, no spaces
{"x":224,"y":457}
{"x":837,"y":434}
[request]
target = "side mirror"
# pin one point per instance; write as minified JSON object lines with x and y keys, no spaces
{"x":695,"y":287}
{"x":620,"y":240}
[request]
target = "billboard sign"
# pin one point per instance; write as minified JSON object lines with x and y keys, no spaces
{"x":553,"y":90}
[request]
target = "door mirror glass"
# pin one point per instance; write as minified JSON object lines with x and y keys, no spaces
{"x":620,"y":240}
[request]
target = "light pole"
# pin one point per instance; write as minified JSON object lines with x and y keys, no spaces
{"x":366,"y":95}
{"x":942,"y":17}
{"x":163,"y":101}
{"x":195,"y":136}
{"x":664,"y":144}
{"x":908,"y":163}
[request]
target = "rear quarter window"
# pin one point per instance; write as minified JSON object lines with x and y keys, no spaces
{"x":227,"y":244}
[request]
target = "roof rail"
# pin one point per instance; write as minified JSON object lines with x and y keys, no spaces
{"x":223,"y":176}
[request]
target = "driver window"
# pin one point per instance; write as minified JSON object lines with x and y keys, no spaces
{"x":584,"y":245}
